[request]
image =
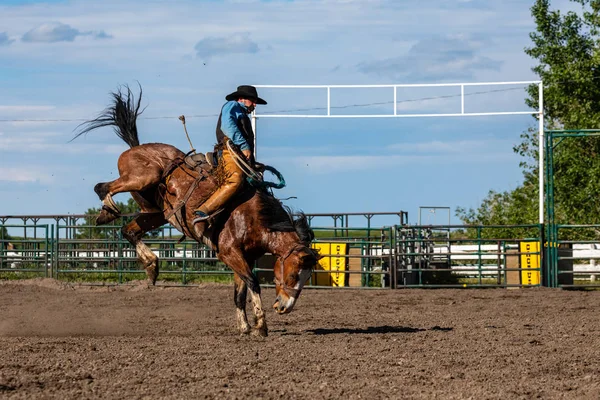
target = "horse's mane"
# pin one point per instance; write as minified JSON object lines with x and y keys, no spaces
{"x":279,"y":218}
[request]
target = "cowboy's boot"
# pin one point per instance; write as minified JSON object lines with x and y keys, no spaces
{"x":224,"y":193}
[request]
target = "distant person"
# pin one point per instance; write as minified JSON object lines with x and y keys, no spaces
{"x":233,"y":124}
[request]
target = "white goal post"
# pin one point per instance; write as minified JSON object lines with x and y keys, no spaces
{"x":326,"y":89}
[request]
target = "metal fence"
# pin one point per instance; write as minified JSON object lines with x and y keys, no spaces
{"x":468,"y":256}
{"x":573,"y":256}
{"x":29,"y":254}
{"x":357,"y":253}
{"x":70,"y":247}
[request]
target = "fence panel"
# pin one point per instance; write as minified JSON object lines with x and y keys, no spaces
{"x":86,"y":252}
{"x":351,"y":258}
{"x":573,"y":256}
{"x":468,"y":256}
{"x":29,"y":255}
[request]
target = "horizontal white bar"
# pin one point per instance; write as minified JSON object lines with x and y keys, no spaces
{"x":397,"y":85}
{"x":398,"y":115}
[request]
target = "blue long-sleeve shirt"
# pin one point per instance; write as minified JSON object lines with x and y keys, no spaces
{"x":231,"y":115}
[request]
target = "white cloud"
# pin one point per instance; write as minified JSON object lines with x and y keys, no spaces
{"x":51,"y":32}
{"x":238,"y":43}
{"x":357,"y":33}
{"x":58,"y":32}
{"x":319,"y":165}
{"x":451,"y":147}
{"x":28,"y":144}
{"x":25,"y":109}
{"x":25,"y":174}
{"x":435,"y":58}
{"x":4,"y":39}
{"x":35,"y":118}
{"x":423,"y":154}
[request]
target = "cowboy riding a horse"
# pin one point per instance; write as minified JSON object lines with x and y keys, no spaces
{"x":212,"y":204}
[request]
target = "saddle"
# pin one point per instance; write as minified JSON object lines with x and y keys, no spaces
{"x":206,"y":161}
{"x":204,"y":164}
{"x":201,"y":166}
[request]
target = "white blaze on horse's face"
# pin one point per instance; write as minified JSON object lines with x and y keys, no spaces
{"x":304,"y":275}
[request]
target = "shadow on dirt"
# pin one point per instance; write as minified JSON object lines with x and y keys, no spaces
{"x":5,"y":388}
{"x":374,"y":330}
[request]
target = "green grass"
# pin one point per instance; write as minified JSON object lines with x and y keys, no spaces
{"x":124,"y":277}
{"x":475,"y":281}
{"x":16,"y":275}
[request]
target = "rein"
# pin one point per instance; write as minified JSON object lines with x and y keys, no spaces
{"x":290,"y":291}
{"x":254,"y":178}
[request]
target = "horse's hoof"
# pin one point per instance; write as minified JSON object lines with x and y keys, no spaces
{"x":106,"y":216}
{"x":260,"y":332}
{"x":152,"y":276}
{"x":244,"y":330}
{"x":101,"y":189}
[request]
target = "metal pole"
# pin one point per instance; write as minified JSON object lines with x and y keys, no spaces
{"x":552,"y":238}
{"x":541,"y":151}
{"x":395,"y":100}
{"x":253,"y":123}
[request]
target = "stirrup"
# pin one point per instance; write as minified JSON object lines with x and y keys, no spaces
{"x":201,"y":217}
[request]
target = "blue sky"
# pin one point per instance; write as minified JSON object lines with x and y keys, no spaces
{"x":60,"y":59}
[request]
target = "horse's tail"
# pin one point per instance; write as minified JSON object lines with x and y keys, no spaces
{"x":121,"y":115}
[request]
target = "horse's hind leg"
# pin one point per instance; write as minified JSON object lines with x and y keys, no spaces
{"x":134,"y":231}
{"x":239,"y":297}
{"x":109,"y":211}
{"x":132,"y":181}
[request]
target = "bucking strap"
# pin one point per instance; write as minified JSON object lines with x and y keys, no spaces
{"x":176,"y":162}
{"x":187,"y":196}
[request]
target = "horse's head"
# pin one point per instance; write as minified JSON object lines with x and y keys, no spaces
{"x":292,"y":270}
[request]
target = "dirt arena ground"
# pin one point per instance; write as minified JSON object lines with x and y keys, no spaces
{"x":64,"y":341}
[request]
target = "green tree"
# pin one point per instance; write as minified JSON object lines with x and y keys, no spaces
{"x":566,"y":48}
{"x":4,"y":233}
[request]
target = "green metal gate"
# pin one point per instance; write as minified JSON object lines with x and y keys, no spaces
{"x":569,"y":263}
{"x":461,"y":256}
{"x":29,"y":255}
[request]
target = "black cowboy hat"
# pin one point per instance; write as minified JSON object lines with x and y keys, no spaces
{"x":245,"y":92}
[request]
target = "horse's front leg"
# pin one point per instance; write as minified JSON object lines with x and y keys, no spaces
{"x":239,"y":297}
{"x":260,"y":323}
{"x":235,"y":260}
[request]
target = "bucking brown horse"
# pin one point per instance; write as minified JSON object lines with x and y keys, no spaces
{"x":168,"y":190}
